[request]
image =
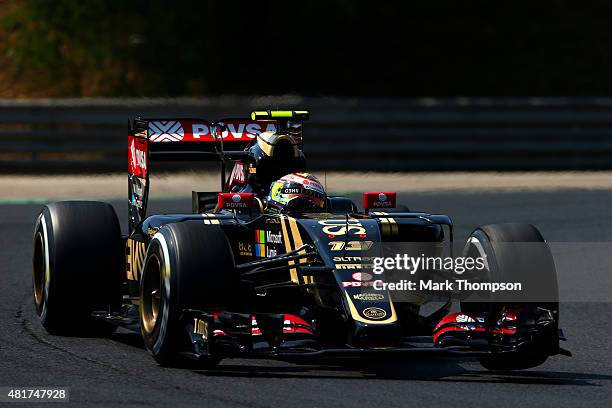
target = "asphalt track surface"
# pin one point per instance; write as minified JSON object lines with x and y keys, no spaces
{"x":117,"y":371}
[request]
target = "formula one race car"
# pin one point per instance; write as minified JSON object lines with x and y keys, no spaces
{"x":270,"y":267}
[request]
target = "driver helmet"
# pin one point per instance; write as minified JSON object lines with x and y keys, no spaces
{"x":297,"y":192}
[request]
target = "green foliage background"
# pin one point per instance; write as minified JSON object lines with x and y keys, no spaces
{"x":338,"y":47}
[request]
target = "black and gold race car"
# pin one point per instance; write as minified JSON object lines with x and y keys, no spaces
{"x":232,"y":279}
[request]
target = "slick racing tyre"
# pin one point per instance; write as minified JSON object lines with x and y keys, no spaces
{"x":77,"y":265}
{"x":188,"y":266}
{"x":527,"y":251}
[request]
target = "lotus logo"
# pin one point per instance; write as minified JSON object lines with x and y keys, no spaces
{"x":374,"y":313}
{"x":362,"y":276}
{"x":236,"y":198}
{"x":382,"y":197}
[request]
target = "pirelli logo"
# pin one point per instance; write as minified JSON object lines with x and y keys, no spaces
{"x":134,"y":258}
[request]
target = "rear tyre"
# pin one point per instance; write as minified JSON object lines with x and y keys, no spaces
{"x":188,"y":266}
{"x":504,"y":261}
{"x":77,"y":263}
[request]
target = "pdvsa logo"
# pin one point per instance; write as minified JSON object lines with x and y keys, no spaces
{"x":233,"y":131}
{"x":362,"y":276}
{"x":166,"y":131}
{"x":382,"y":202}
{"x":238,"y":131}
{"x":236,"y":202}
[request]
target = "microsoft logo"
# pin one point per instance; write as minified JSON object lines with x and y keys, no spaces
{"x":262,"y":238}
{"x":260,"y":243}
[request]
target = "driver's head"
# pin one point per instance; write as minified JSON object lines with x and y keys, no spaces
{"x":297,"y":192}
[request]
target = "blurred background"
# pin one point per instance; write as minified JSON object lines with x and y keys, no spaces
{"x":392,"y":86}
{"x":489,"y":111}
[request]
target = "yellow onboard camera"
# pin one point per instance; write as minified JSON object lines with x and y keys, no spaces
{"x":278,"y":114}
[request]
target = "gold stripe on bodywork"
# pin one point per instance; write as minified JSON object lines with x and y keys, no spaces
{"x":128,"y":260}
{"x":385,"y":228}
{"x":292,"y":271}
{"x":212,"y":220}
{"x":388,"y":227}
{"x":135,"y":260}
{"x":356,"y":316}
{"x":308,"y":279}
{"x":297,"y":239}
{"x":135,"y":254}
{"x":394,"y":227}
{"x":139,"y":254}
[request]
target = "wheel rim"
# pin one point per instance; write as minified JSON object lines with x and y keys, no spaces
{"x":150,"y":302}
{"x":39,"y":271}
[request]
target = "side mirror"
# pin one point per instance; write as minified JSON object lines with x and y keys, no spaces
{"x":235,"y":201}
{"x":376,"y":200}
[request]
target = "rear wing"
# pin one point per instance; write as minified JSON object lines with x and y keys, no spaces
{"x":188,"y":139}
{"x":151,"y":140}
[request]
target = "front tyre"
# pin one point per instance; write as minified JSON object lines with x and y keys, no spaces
{"x":188,"y":266}
{"x":512,"y":248}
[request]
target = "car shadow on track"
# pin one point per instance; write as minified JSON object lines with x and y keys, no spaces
{"x":419,"y":369}
{"x":128,"y":338}
{"x":414,"y":368}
